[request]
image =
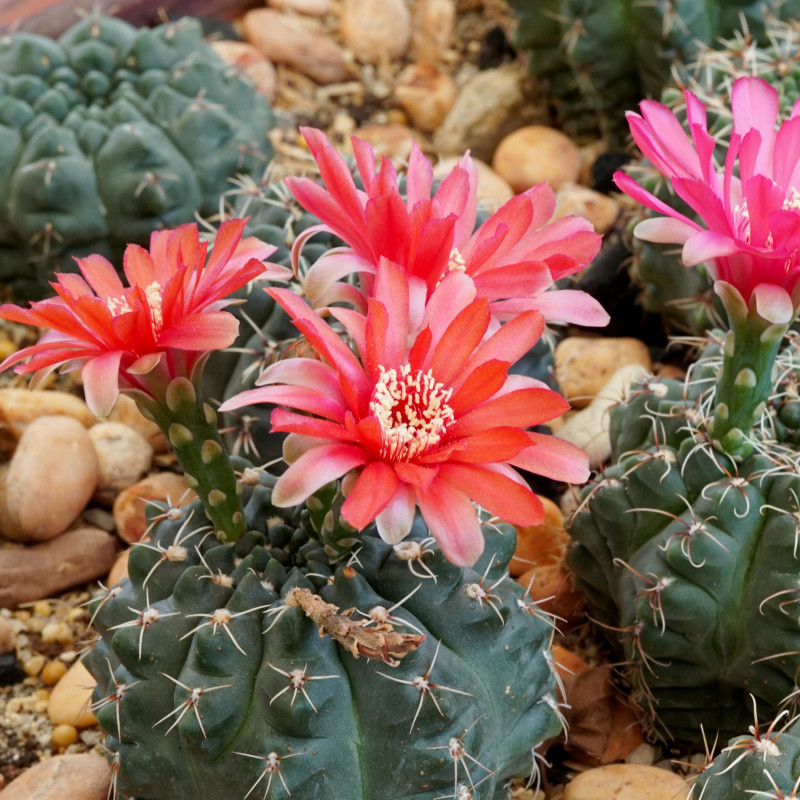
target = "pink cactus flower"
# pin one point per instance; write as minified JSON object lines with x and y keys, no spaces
{"x":427,"y":420}
{"x":162,"y":325}
{"x":750,"y":236}
{"x":513,"y":258}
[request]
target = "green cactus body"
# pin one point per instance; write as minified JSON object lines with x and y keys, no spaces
{"x":213,"y":683}
{"x":599,"y":58}
{"x":688,"y":559}
{"x":110,"y":133}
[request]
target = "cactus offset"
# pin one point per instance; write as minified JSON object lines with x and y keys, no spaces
{"x":313,"y":657}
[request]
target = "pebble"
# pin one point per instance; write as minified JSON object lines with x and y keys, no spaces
{"x":34,"y":665}
{"x":252,"y":62}
{"x":492,"y":191}
{"x":130,"y":505}
{"x":540,"y":544}
{"x":483,"y":112}
{"x":626,"y":782}
{"x":286,"y":40}
{"x":600,"y":209}
{"x":127,"y":412}
{"x":393,"y":141}
{"x":83,"y":776}
{"x":537,"y":154}
{"x":376,"y":30}
{"x":42,"y":570}
{"x":57,"y":633}
{"x":313,"y":8}
{"x":432,"y":29}
{"x":584,"y":364}
{"x":119,"y":570}
{"x":8,"y":636}
{"x":71,"y":698}
{"x":63,"y":736}
{"x":52,"y":672}
{"x":426,"y":94}
{"x":50,"y":479}
{"x":590,"y":428}
{"x":123,"y":457}
{"x":20,"y":407}
{"x":550,"y":586}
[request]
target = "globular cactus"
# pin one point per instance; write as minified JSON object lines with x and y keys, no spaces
{"x":311,"y":660}
{"x":598,"y":58}
{"x":689,"y":559}
{"x":112,"y":132}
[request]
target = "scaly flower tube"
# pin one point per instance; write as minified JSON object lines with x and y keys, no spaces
{"x":429,"y":420}
{"x":513,"y":258}
{"x":151,"y":338}
{"x":750,"y":237}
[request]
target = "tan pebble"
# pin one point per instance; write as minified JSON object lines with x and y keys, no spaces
{"x":63,"y":735}
{"x":432,"y":29}
{"x":19,"y":407}
{"x":71,"y":698}
{"x":393,"y":141}
{"x":42,"y":694}
{"x":14,"y":705}
{"x":426,"y":94}
{"x":52,"y":672}
{"x":57,"y":633}
{"x":36,"y":624}
{"x":119,"y":570}
{"x":600,"y":209}
{"x":42,"y":608}
{"x":123,"y":457}
{"x":492,"y":191}
{"x":536,"y":154}
{"x":127,"y":412}
{"x":8,"y":636}
{"x":583,"y":364}
{"x":376,"y":30}
{"x":540,"y":544}
{"x":287,"y":40}
{"x":550,"y":585}
{"x":50,"y":479}
{"x":79,"y":612}
{"x":626,"y":782}
{"x":252,"y":62}
{"x":34,"y":665}
{"x":314,"y":8}
{"x":82,"y":775}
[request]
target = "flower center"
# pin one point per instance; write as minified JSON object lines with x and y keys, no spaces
{"x":120,"y":305}
{"x":412,"y":409}
{"x":741,"y":216}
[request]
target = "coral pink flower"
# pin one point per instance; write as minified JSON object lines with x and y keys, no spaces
{"x":751,"y":235}
{"x":161,"y":326}
{"x":430,"y":420}
{"x":513,"y":258}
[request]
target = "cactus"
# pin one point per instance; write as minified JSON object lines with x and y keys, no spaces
{"x":688,"y":557}
{"x":311,"y":660}
{"x":598,"y":58}
{"x":110,"y":133}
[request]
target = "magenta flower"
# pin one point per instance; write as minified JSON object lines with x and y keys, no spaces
{"x":429,"y":420}
{"x":513,"y":258}
{"x":750,"y":208}
{"x":162,"y":325}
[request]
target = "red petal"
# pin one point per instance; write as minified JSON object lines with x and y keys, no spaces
{"x":460,"y":340}
{"x":374,"y":488}
{"x":518,"y":408}
{"x":554,"y":458}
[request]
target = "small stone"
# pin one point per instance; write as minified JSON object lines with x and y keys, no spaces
{"x":492,"y":191}
{"x":127,"y":412}
{"x":34,"y":665}
{"x":57,"y":633}
{"x":584,"y":364}
{"x":83,"y":776}
{"x":53,"y":672}
{"x":432,"y":29}
{"x":393,"y":141}
{"x":550,"y":586}
{"x":484,"y":111}
{"x":8,"y":636}
{"x":19,"y":407}
{"x":286,"y":40}
{"x":540,"y":544}
{"x":644,"y":754}
{"x":426,"y":94}
{"x":63,"y":735}
{"x":626,"y":782}
{"x":119,"y":570}
{"x":71,"y":698}
{"x":42,"y":570}
{"x":600,"y":209}
{"x":252,"y":62}
{"x":376,"y":30}
{"x":50,"y":479}
{"x":42,"y":609}
{"x":312,"y":8}
{"x":123,"y":457}
{"x":537,"y":154}
{"x":131,"y":504}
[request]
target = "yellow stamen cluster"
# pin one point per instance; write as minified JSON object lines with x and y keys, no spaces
{"x":120,"y":305}
{"x":413,"y":411}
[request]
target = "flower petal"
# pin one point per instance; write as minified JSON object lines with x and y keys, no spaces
{"x":374,"y":488}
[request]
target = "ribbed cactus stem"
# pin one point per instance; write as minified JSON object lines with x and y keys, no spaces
{"x":745,"y":381}
{"x":190,"y":425}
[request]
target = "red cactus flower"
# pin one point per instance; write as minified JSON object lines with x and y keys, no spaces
{"x":429,"y":419}
{"x":162,"y":325}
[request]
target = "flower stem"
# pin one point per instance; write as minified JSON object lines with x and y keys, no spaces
{"x":190,"y":426}
{"x":745,"y":382}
